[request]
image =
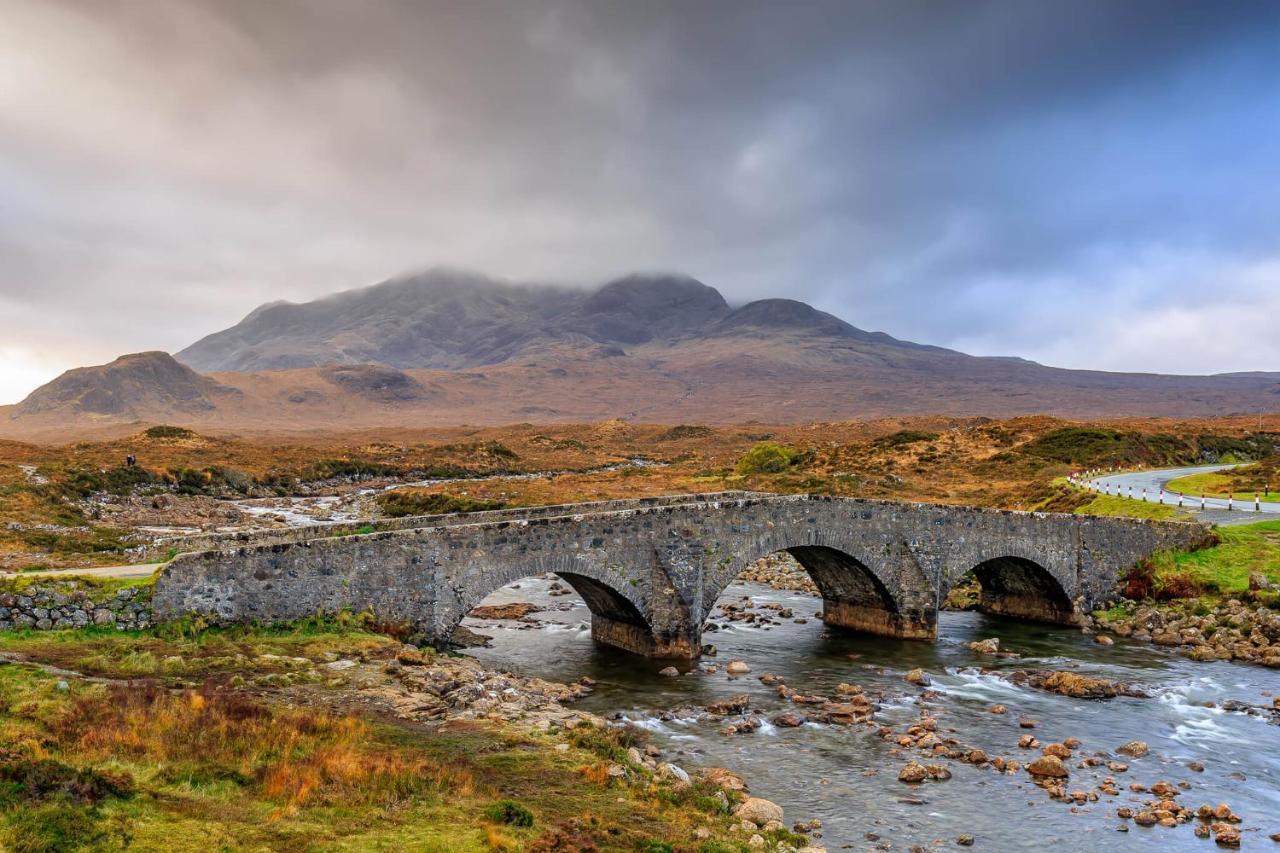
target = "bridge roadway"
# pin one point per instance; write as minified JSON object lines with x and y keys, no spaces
{"x":651,"y":569}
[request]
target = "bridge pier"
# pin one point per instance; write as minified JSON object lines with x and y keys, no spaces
{"x":642,"y":640}
{"x":920,"y":625}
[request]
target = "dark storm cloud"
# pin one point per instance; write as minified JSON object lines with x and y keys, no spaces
{"x":1084,"y":183}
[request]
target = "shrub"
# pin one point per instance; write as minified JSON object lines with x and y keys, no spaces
{"x":1078,"y":445}
{"x":45,"y":778}
{"x":902,"y":438}
{"x":766,"y":457}
{"x":509,"y":812}
{"x":400,"y":503}
{"x":122,"y":480}
{"x":1140,"y":581}
{"x":676,"y":433}
{"x":165,"y":431}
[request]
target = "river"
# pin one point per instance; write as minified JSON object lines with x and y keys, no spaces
{"x":847,"y":777}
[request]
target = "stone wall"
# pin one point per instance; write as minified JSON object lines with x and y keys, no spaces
{"x":650,"y":571}
{"x":71,"y":604}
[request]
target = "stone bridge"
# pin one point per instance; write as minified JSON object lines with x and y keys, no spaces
{"x":651,"y":569}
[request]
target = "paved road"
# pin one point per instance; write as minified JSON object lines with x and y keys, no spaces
{"x":1154,"y":480}
{"x":140,"y":570}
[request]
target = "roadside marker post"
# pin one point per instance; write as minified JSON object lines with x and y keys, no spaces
{"x":1257,"y":503}
{"x":1229,"y":503}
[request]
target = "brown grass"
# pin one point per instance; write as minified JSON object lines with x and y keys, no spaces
{"x":291,"y":755}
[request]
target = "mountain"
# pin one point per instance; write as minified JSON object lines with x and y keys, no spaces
{"x":129,"y":387}
{"x":450,"y":348}
{"x":449,"y":320}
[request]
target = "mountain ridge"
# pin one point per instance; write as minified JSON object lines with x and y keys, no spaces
{"x":663,"y":348}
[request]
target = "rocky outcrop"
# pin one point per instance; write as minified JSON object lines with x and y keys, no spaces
{"x":1075,"y":684}
{"x":1233,"y":630}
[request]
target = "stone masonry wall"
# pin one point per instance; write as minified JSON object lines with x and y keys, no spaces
{"x":70,"y":604}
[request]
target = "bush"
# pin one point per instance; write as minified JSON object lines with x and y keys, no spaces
{"x":766,"y":457}
{"x":682,"y":431}
{"x":401,"y":503}
{"x":352,"y":469}
{"x":164,"y":431}
{"x":44,"y":779}
{"x":904,"y":437}
{"x":509,"y":812}
{"x":122,"y":480}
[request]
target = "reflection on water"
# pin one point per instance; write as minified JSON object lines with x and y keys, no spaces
{"x":848,"y":777}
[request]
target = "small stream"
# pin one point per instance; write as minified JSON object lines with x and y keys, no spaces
{"x":847,"y":777}
{"x":356,"y":505}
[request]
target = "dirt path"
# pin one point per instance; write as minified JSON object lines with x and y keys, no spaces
{"x":139,"y":570}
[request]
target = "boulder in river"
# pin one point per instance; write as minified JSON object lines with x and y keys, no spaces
{"x":733,"y":705}
{"x":737,"y":667}
{"x":989,"y":646}
{"x":514,"y":610}
{"x":668,"y":672}
{"x":1134,"y":749}
{"x":758,"y":810}
{"x":725,"y":780}
{"x":917,"y":677}
{"x":788,"y":720}
{"x":1048,"y":766}
{"x":1074,"y":684}
{"x":913,"y":772}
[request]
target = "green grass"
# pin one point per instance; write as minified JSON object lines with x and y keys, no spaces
{"x":1118,"y":506}
{"x":98,"y":588}
{"x":1225,"y":568}
{"x":1214,"y":484}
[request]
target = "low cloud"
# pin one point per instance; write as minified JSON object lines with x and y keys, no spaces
{"x":1025,"y":178}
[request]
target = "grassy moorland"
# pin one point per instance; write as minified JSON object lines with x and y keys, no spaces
{"x":184,"y":733}
{"x":54,"y":501}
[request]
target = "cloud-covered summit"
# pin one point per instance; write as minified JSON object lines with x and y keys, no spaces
{"x":1086,"y":184}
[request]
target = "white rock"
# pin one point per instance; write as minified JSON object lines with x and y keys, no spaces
{"x":670,"y":771}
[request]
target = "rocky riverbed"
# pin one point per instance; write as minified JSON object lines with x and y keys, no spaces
{"x":1002,"y":734}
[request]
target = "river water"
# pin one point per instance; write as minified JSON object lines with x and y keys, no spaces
{"x":847,"y":777}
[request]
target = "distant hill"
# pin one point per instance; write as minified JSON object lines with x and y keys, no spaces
{"x":450,"y":348}
{"x":129,"y":387}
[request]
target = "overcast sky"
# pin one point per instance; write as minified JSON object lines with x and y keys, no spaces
{"x":1087,"y":184}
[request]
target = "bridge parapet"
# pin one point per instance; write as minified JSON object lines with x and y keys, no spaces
{"x":651,"y":570}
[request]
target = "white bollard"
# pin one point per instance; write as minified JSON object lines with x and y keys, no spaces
{"x":1144,"y":494}
{"x":1229,"y":503}
{"x":1180,"y":499}
{"x":1202,"y":503}
{"x":1257,"y":504}
{"x":1162,"y":497}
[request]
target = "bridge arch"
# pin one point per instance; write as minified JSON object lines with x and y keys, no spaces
{"x":617,"y":611}
{"x":1022,"y":588}
{"x":865,"y":586}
